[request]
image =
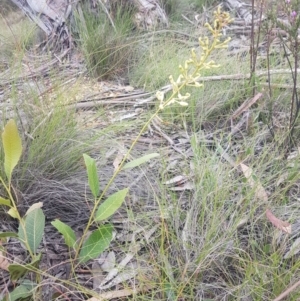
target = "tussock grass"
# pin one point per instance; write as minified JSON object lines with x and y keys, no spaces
{"x":105,"y":43}
{"x":160,"y":55}
{"x":52,"y":152}
{"x":16,"y":36}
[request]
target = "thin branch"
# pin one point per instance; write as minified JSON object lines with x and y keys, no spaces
{"x":288,"y":291}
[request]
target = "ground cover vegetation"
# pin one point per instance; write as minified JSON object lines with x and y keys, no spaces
{"x":188,"y":194}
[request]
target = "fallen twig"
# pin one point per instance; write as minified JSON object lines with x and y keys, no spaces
{"x":121,"y":293}
{"x":286,"y":292}
{"x":247,"y":76}
{"x":160,"y":132}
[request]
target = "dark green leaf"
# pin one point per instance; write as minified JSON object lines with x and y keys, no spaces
{"x":21,"y":292}
{"x":8,"y":234}
{"x":17,"y":271}
{"x":67,"y":232}
{"x":98,"y":241}
{"x":111,"y":205}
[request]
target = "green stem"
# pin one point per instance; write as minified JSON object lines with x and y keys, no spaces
{"x":185,"y":83}
{"x":91,"y":218}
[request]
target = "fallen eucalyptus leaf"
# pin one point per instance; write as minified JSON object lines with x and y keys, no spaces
{"x":278,"y":223}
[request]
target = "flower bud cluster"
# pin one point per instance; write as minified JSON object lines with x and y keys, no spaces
{"x":190,"y":71}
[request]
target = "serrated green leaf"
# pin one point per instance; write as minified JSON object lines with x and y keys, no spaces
{"x":93,"y":179}
{"x":111,"y":205}
{"x":98,"y":241}
{"x":67,"y":232}
{"x":139,"y":161}
{"x":12,"y":145}
{"x":13,"y":212}
{"x":34,"y":229}
{"x":5,"y":202}
{"x":8,"y":234}
{"x":17,"y":271}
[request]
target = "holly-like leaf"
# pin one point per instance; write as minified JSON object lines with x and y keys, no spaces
{"x":111,"y":205}
{"x":98,"y":241}
{"x":12,"y":145}
{"x":93,"y":178}
{"x":67,"y":232}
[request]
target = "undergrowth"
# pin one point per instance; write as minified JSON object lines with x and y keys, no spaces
{"x":213,"y":241}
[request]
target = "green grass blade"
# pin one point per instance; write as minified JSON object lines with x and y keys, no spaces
{"x":111,"y":205}
{"x":12,"y":147}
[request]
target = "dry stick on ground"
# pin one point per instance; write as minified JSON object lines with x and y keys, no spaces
{"x":120,"y":99}
{"x":130,"y":98}
{"x":246,"y":105}
{"x":289,"y":290}
{"x":161,"y":133}
{"x":33,"y":72}
{"x":168,"y":88}
{"x":239,"y":76}
{"x":121,"y":293}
